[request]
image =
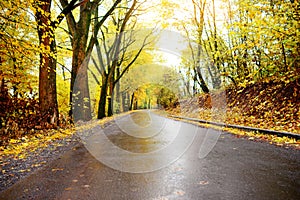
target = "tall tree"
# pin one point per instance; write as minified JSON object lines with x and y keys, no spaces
{"x":115,"y":57}
{"x":199,"y":10}
{"x":194,"y":31}
{"x":82,"y":48}
{"x":47,"y":73}
{"x":18,"y":46}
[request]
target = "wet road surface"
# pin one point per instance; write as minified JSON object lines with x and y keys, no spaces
{"x":146,"y":156}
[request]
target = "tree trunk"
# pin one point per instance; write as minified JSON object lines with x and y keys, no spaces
{"x":131,"y":101}
{"x":203,"y":84}
{"x":111,"y":95}
{"x":79,"y":91}
{"x":216,"y":65}
{"x":110,"y":106}
{"x":47,"y":71}
{"x":195,"y":83}
{"x":117,"y":93}
{"x":124,"y":105}
{"x":102,"y":101}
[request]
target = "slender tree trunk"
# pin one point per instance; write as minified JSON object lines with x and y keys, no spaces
{"x":124,"y":109}
{"x":195,"y":83}
{"x":110,"y":106}
{"x":203,"y":84}
{"x":216,"y":66}
{"x":284,"y":57}
{"x":111,"y":95}
{"x":128,"y":101}
{"x":149,"y":103}
{"x":117,"y":93}
{"x":102,"y":101}
{"x":131,"y":101}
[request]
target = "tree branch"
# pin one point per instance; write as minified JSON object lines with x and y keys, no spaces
{"x":71,"y":6}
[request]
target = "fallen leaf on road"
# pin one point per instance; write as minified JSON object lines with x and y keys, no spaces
{"x":177,"y":169}
{"x":86,"y":186}
{"x":179,"y":192}
{"x":74,"y":181}
{"x":69,"y":188}
{"x":36,"y":165}
{"x":24,"y":170}
{"x":57,"y":169}
{"x":203,"y":183}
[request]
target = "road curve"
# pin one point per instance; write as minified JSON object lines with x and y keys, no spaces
{"x":234,"y":169}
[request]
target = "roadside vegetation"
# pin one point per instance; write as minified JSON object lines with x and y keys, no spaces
{"x":270,"y":104}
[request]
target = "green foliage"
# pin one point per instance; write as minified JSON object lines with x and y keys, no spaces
{"x":166,"y":98}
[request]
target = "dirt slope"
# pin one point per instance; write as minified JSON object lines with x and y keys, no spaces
{"x":268,"y":104}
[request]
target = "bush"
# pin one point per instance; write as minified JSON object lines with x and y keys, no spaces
{"x":18,"y":116}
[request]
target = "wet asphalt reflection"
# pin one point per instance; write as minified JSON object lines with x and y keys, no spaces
{"x":146,"y":156}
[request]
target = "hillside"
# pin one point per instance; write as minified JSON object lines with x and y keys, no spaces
{"x":268,"y":104}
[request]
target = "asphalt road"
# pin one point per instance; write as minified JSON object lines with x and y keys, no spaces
{"x":145,"y":156}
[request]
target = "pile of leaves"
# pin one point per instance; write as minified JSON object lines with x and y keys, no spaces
{"x":19,"y":116}
{"x":270,"y":104}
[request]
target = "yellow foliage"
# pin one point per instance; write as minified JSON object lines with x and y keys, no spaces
{"x":19,"y":148}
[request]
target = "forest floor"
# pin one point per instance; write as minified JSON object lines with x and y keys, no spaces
{"x":21,"y":157}
{"x":270,"y":104}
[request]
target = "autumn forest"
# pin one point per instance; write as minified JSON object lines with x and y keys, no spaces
{"x":67,"y":61}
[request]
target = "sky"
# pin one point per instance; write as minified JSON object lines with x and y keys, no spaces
{"x":172,"y":41}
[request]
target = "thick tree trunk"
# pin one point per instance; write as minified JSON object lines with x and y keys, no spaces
{"x":81,"y":106}
{"x":47,"y":73}
{"x":79,"y":95}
